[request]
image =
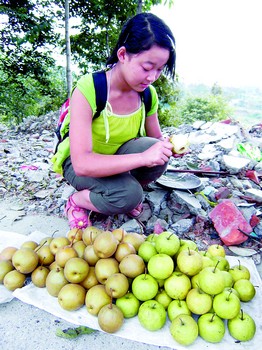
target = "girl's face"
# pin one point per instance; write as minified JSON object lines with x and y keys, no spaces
{"x":142,"y":69}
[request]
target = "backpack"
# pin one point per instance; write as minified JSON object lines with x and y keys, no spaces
{"x":100,"y":84}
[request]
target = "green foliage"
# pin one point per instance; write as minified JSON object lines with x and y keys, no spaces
{"x":25,"y":95}
{"x":206,"y":108}
{"x":168,"y":95}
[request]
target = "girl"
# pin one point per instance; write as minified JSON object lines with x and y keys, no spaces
{"x":109,"y":159}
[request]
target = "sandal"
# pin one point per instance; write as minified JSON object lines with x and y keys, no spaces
{"x":137,"y":212}
{"x":80,"y":217}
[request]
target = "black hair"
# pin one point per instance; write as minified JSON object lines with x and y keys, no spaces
{"x":140,"y":33}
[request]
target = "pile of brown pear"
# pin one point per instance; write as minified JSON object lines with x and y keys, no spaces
{"x":85,"y":267}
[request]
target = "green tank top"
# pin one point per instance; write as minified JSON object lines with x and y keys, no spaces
{"x":109,"y":130}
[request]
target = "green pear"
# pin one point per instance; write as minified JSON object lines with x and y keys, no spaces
{"x":242,"y":327}
{"x":25,"y":260}
{"x":184,"y":329}
{"x":245,"y":289}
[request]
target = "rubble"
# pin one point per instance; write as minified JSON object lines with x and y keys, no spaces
{"x":225,"y":171}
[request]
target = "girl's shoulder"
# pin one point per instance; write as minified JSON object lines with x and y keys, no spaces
{"x":86,"y":86}
{"x":154,"y":100}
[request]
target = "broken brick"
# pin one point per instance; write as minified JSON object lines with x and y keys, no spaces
{"x":229,"y":222}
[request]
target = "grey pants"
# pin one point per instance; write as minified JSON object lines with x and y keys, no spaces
{"x":121,"y":193}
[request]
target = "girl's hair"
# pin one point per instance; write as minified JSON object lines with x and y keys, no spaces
{"x":140,"y":33}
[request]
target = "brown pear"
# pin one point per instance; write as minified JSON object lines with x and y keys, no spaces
{"x":132,"y":265}
{"x":7,"y":253}
{"x":5,"y":267}
{"x":104,"y":268}
{"x":105,"y":244}
{"x":96,"y":298}
{"x":90,"y":233}
{"x":79,"y":247}
{"x":55,"y":281}
{"x":13,"y":280}
{"x":39,"y":275}
{"x":58,"y":242}
{"x":72,"y":296}
{"x":134,"y":238}
{"x":53,"y":266}
{"x":65,"y":253}
{"x":29,"y":244}
{"x":110,"y":318}
{"x":25,"y":260}
{"x":46,"y":240}
{"x":46,"y":257}
{"x":75,"y":235}
{"x":119,"y":233}
{"x":117,"y":285}
{"x":90,"y":255}
{"x":90,"y":279}
{"x":123,"y":249}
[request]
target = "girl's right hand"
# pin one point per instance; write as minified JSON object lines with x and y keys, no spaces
{"x":158,"y":154}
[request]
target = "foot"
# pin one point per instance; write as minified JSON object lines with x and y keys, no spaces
{"x":77,"y":217}
{"x":137,"y":212}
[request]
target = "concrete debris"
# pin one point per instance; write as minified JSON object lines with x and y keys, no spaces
{"x":26,"y":177}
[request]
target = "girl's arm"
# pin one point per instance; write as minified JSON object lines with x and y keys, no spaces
{"x":153,"y":127}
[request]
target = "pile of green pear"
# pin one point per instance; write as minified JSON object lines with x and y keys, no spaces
{"x":160,"y":278}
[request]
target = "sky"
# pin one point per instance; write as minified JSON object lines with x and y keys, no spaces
{"x":217,"y":41}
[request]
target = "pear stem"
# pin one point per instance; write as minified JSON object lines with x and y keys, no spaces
{"x":242,"y":314}
{"x":40,"y":246}
{"x":216,"y":266}
{"x":182,"y":322}
{"x":227,"y":299}
{"x":213,"y":316}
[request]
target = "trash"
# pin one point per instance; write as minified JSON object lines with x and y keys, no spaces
{"x":72,"y":333}
{"x":227,"y":220}
{"x":252,"y":175}
{"x":28,"y":167}
{"x":242,"y":251}
{"x":250,"y":151}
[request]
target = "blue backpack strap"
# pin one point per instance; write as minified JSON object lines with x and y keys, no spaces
{"x":100,"y":84}
{"x":146,"y":97}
